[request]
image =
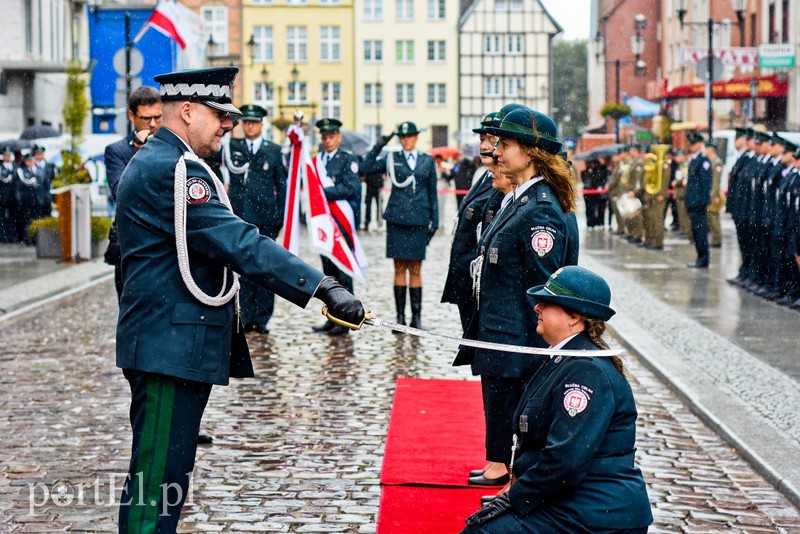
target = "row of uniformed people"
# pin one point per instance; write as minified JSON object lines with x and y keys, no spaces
{"x":764,"y":202}
{"x":24,"y":192}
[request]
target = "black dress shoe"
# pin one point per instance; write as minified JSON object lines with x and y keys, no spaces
{"x":483,"y":481}
{"x":249,"y":327}
{"x":261,"y":328}
{"x":204,"y":439}
{"x":338,"y":330}
{"x":486,"y":499}
{"x":479,"y":472}
{"x":324,"y":327}
{"x":695,"y":265}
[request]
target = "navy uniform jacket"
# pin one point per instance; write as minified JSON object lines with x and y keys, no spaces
{"x":757,"y":183}
{"x":744,"y":187}
{"x":527,"y":241}
{"x":577,"y":427}
{"x":766,"y":211}
{"x":261,"y":194}
{"x":162,"y":328}
{"x":783,"y":203}
{"x":343,"y":170}
{"x":7,"y":192}
{"x":117,"y":156}
{"x":698,"y":183}
{"x":47,"y":173}
{"x":471,"y":212}
{"x":405,"y":206}
{"x":733,"y":182}
{"x":28,"y":192}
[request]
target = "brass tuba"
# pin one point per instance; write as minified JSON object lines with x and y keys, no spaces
{"x":654,"y":169}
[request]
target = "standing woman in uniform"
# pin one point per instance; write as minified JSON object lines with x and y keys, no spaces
{"x":528,"y":240}
{"x":575,"y":427}
{"x":412,"y":214}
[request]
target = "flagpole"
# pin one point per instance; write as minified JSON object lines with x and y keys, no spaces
{"x":128,"y":47}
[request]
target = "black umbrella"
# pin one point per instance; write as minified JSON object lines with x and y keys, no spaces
{"x":604,"y":151}
{"x":355,"y":142}
{"x":16,"y":144}
{"x":38,"y":132}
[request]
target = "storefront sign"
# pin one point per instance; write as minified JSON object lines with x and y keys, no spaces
{"x":768,"y":87}
{"x":776,"y":56}
{"x":738,"y":57}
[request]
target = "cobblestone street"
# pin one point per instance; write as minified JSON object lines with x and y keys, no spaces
{"x":299,"y":448}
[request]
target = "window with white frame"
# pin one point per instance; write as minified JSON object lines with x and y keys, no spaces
{"x":372,"y":131}
{"x":296,"y":2}
{"x":404,"y":94}
{"x":404,"y":9}
{"x":436,"y":9}
{"x":436,"y":51}
{"x":515,"y":86}
{"x":265,"y":45}
{"x":492,"y":44}
{"x":330,"y":44}
{"x":296,"y":44}
{"x":436,"y":94}
{"x":331,"y":100}
{"x":298,"y":93}
{"x":264,"y":96}
{"x":373,"y":94}
{"x":373,"y":51}
{"x":215,"y":24}
{"x":515,"y":44}
{"x":404,"y":51}
{"x":373,"y":9}
{"x":506,"y":5}
{"x":492,"y":86}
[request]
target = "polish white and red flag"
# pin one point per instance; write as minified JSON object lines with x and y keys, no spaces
{"x":331,"y":224}
{"x":174,"y":20}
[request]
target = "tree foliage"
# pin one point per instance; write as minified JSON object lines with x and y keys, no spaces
{"x":570,"y":87}
{"x":76,"y":106}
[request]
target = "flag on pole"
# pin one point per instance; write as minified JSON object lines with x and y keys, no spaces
{"x":174,"y":20}
{"x":324,"y":232}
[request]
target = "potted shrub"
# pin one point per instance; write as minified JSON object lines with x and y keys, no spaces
{"x":100,"y":228}
{"x":615,"y":110}
{"x":47,"y":235}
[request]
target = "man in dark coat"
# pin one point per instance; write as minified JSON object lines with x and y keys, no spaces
{"x":8,"y":202}
{"x":698,"y":197}
{"x":144,"y":113}
{"x":178,"y":333}
{"x":258,"y":181}
{"x":468,"y":227}
{"x":462,"y":177}
{"x":47,"y":174}
{"x":342,"y":168}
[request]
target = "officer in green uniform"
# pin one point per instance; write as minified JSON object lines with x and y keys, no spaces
{"x":655,"y":201}
{"x":342,"y":168}
{"x":717,"y":196}
{"x":635,"y":189}
{"x":177,"y":332}
{"x":258,"y":182}
{"x":614,"y":188}
{"x":679,"y":177}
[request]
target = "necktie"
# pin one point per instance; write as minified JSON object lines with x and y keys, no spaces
{"x":252,"y":147}
{"x":410,"y":157}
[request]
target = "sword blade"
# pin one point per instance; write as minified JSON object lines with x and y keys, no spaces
{"x":502,"y":347}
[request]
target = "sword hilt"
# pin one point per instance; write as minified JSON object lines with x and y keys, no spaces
{"x":367,"y":316}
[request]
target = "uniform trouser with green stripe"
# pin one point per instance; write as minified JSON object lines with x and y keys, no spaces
{"x":165,"y":419}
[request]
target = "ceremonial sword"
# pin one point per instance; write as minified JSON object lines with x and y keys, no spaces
{"x":371,"y":320}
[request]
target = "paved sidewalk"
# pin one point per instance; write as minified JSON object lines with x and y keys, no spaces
{"x":299,"y":448}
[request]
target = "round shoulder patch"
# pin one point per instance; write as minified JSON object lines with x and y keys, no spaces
{"x":706,"y":165}
{"x":576,"y":399}
{"x":354,"y":167}
{"x":542,"y":240}
{"x":197,"y":191}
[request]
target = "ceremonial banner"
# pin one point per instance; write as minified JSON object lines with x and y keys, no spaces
{"x":174,"y":20}
{"x":324,"y":233}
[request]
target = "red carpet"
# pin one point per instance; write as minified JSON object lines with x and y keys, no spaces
{"x":435,"y":437}
{"x":426,"y":510}
{"x":436,"y":433}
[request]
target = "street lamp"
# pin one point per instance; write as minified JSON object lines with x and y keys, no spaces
{"x":681,"y":12}
{"x":252,"y":48}
{"x":212,"y":49}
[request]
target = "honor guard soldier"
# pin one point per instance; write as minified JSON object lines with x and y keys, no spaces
{"x":743,"y":156}
{"x":47,"y":173}
{"x":781,"y":276}
{"x":717,"y":195}
{"x":412,"y":214}
{"x":8,"y":202}
{"x":753,"y":176}
{"x":178,"y":332}
{"x":342,"y":168}
{"x":258,"y":185}
{"x":28,"y":185}
{"x":468,"y":228}
{"x":698,"y":197}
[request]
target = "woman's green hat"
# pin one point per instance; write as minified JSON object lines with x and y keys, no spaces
{"x":489,"y":120}
{"x":578,"y":290}
{"x":530,"y":128}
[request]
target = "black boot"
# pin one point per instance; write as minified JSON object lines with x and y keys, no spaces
{"x":416,"y":307}
{"x":400,"y":303}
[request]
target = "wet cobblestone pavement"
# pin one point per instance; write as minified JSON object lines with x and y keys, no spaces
{"x":299,"y":448}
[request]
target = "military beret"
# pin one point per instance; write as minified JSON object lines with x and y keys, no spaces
{"x":489,"y":120}
{"x":253,"y":112}
{"x":212,"y":87}
{"x":407,"y":128}
{"x":694,"y":137}
{"x":530,"y":128}
{"x":328,"y":125}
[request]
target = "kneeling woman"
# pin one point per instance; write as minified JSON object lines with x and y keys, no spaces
{"x":575,"y":427}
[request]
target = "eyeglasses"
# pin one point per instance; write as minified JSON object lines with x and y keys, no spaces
{"x":152,"y":118}
{"x":221,"y":115}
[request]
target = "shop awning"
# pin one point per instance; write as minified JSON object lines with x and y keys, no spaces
{"x":641,"y":108}
{"x":768,"y":87}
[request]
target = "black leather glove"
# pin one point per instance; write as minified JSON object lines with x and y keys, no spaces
{"x":431,"y":233}
{"x":384,"y":139}
{"x":340,"y":302}
{"x":496,"y":508}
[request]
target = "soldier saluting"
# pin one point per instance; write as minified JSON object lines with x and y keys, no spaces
{"x":178,"y":333}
